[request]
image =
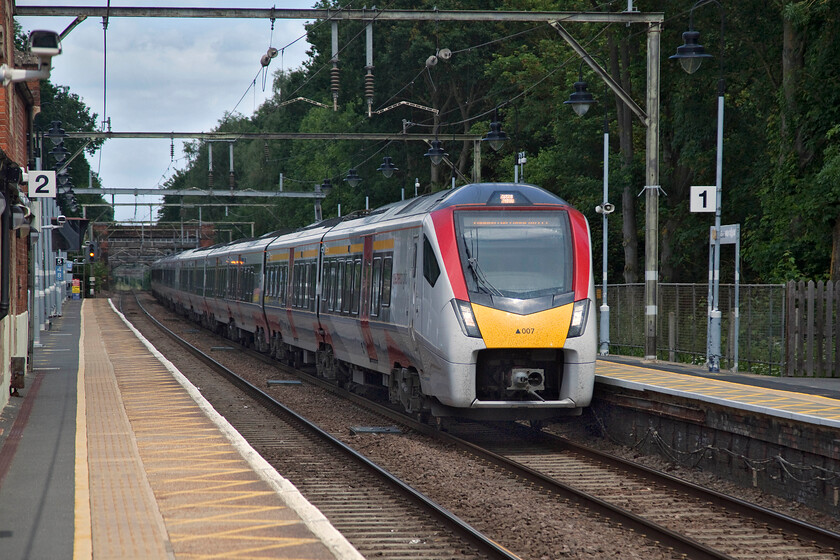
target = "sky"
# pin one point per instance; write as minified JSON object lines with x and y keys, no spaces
{"x":165,"y":75}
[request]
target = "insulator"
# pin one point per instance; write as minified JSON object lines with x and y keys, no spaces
{"x":232,"y":180}
{"x":265,"y":151}
{"x":369,"y":86}
{"x":210,"y":179}
{"x":334,"y":79}
{"x":172,"y":151}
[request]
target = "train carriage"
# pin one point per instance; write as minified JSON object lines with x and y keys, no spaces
{"x":234,"y":289}
{"x":293,"y":266}
{"x":476,"y":302}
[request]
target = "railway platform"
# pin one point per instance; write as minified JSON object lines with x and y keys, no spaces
{"x":810,"y":400}
{"x":111,"y":453}
{"x":778,"y":434}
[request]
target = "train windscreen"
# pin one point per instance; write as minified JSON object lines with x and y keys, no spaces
{"x":519,"y":254}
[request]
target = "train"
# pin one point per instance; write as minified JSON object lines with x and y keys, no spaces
{"x":475,"y":302}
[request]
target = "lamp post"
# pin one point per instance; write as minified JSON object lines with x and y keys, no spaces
{"x":691,"y":55}
{"x":580,"y":100}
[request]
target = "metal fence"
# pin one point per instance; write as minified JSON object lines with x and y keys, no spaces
{"x":682,"y":324}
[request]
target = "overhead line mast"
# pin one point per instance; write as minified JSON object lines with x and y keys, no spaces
{"x":653,"y":21}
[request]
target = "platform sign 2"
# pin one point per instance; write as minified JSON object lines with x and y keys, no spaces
{"x":702,"y":199}
{"x":42,"y":184}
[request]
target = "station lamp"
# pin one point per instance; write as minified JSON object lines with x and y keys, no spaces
{"x":580,"y":99}
{"x":496,"y":137}
{"x":387,"y":168}
{"x":691,"y":54}
{"x":436,"y":153}
{"x":353,"y":179}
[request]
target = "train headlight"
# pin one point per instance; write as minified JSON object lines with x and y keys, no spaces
{"x":466,"y":318}
{"x":579,"y":314}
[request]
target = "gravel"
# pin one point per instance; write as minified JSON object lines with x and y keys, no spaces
{"x":532,"y":524}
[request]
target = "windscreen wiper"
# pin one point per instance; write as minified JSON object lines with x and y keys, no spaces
{"x":480,"y":279}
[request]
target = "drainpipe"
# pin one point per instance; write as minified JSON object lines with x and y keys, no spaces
{"x":4,"y":260}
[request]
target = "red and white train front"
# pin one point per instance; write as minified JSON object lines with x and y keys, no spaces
{"x":512,"y":326}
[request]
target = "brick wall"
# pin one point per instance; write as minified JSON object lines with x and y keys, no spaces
{"x":18,"y":103}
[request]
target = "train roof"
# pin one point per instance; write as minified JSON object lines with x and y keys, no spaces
{"x":485,"y":194}
{"x":473,"y":194}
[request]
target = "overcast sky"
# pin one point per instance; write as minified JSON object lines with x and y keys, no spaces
{"x":167,"y":75}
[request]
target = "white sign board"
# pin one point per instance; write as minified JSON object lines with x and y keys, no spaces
{"x":42,"y":184}
{"x":702,"y":199}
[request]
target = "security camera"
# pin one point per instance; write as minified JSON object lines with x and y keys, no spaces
{"x":606,"y":208}
{"x":44,"y":44}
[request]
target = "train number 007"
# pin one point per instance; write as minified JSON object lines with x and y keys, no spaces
{"x":526,"y":330}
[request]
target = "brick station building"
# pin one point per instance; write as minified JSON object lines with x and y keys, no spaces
{"x":19,"y":103}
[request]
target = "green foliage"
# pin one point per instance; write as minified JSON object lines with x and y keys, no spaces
{"x":781,"y":155}
{"x":58,"y":103}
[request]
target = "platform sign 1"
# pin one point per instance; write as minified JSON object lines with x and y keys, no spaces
{"x":42,"y":184}
{"x":702,"y":199}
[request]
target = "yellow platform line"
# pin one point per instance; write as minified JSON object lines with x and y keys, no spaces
{"x":222,"y":508}
{"x":778,"y":402}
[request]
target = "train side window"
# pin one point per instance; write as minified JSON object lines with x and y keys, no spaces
{"x":303,"y":288}
{"x":431,"y":268}
{"x":293,"y":291}
{"x":301,"y":285}
{"x":245,"y":276}
{"x":387,"y":267}
{"x":357,"y":285}
{"x":339,"y":285}
{"x":326,"y":288}
{"x":348,"y":286}
{"x":333,"y":285}
{"x":304,"y":285}
{"x":281,"y":288}
{"x":326,"y":285}
{"x":313,"y":281}
{"x":376,"y":286}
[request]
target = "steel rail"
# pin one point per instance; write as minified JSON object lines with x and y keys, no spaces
{"x":692,"y":548}
{"x":450,"y":520}
{"x":653,"y":531}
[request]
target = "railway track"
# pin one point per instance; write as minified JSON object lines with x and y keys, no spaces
{"x":378,"y":513}
{"x":692,"y":521}
{"x":719,"y":526}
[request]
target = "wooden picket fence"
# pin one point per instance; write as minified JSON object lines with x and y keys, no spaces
{"x":812,"y":328}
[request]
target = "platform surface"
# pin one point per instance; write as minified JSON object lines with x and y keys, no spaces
{"x":116,"y":455}
{"x":811,"y":400}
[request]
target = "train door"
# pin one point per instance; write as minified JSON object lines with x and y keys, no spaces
{"x":414,"y":309}
{"x":426,"y":308}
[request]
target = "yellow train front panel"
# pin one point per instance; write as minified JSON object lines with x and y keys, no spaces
{"x":502,"y":329}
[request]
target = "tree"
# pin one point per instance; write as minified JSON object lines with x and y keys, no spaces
{"x":58,"y":103}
